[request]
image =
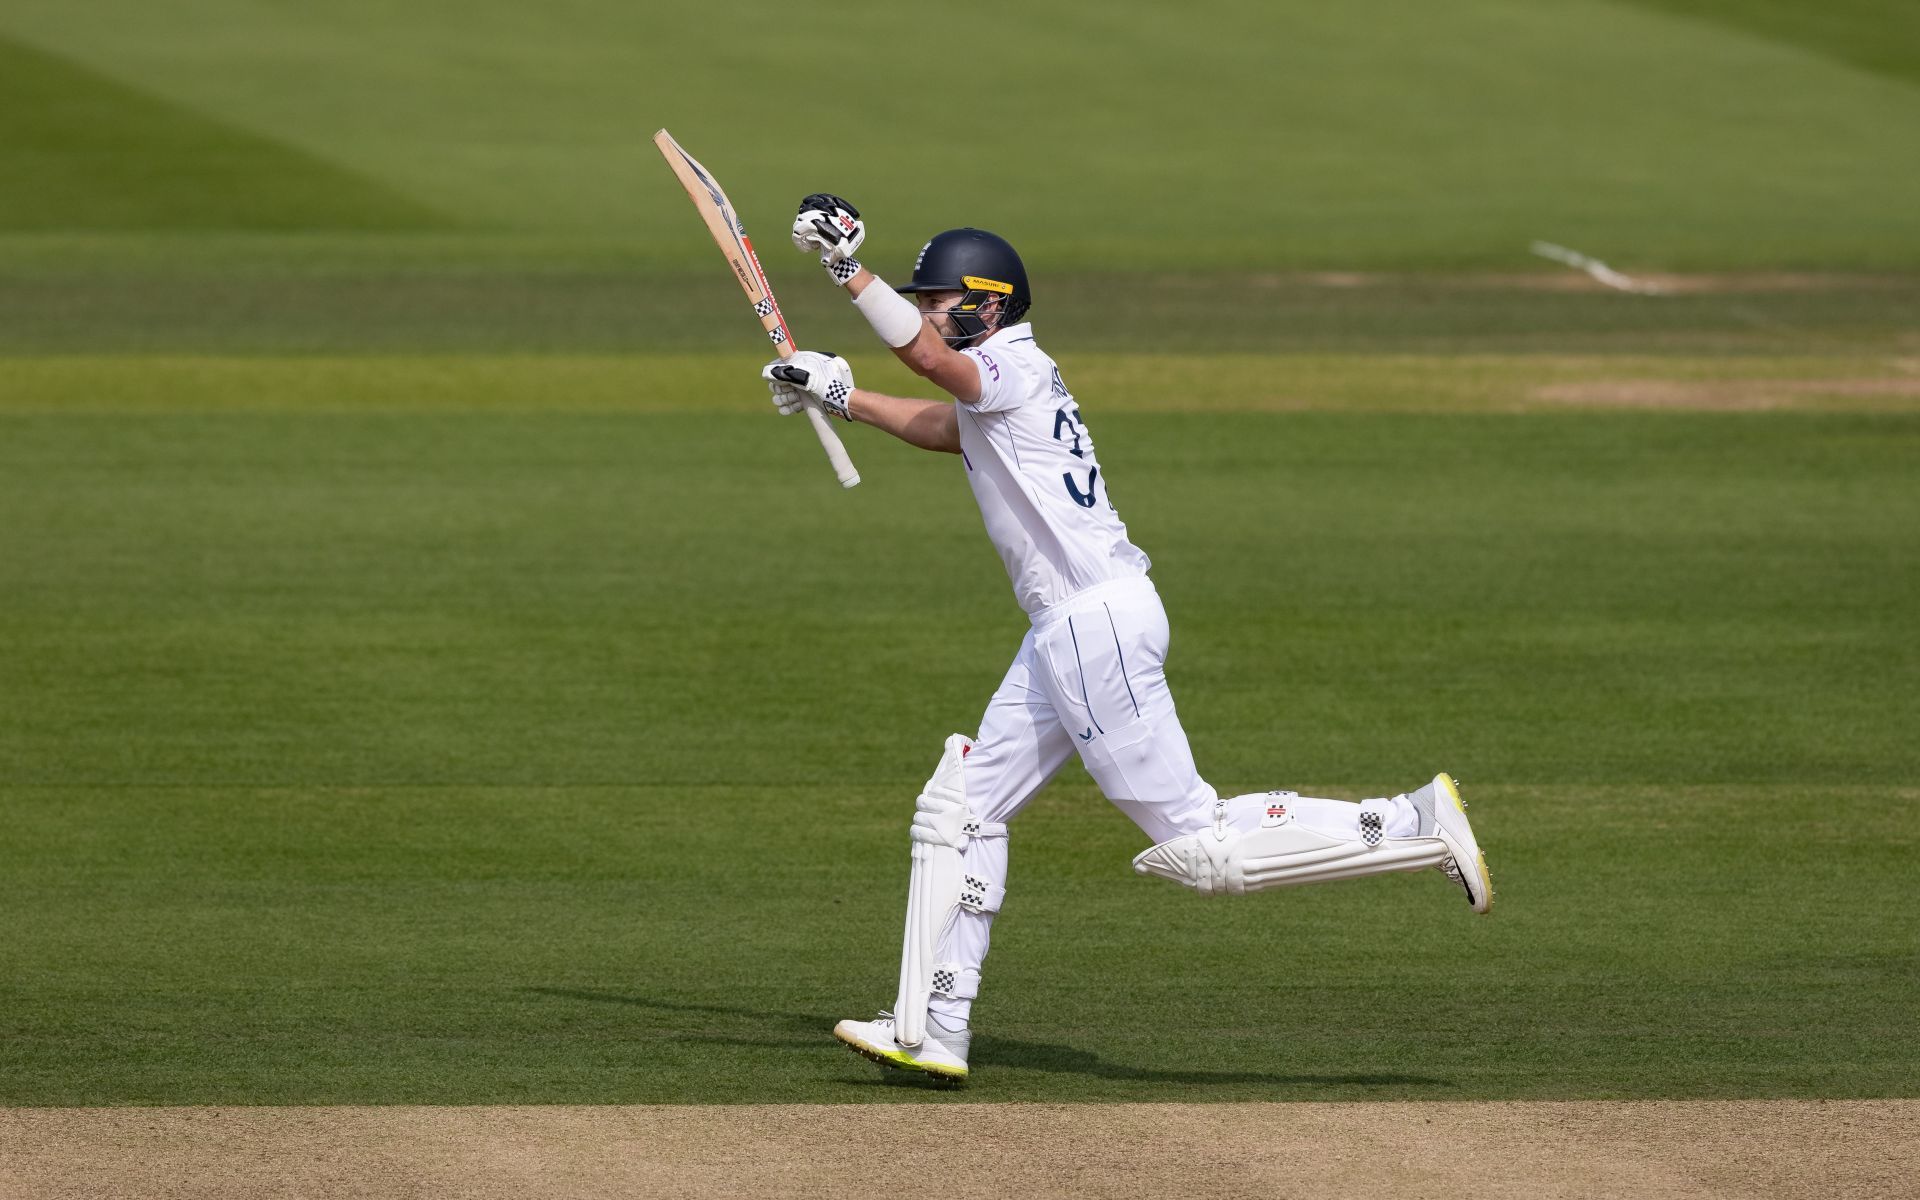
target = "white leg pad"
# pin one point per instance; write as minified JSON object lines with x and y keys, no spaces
{"x":1279,"y":853}
{"x":937,"y":889}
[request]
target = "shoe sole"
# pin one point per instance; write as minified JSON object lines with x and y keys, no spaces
{"x":1451,"y":791}
{"x":943,"y":1076}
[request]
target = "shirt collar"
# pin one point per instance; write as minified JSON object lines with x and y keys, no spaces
{"x":1011,"y":333}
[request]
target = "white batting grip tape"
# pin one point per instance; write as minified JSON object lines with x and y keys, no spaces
{"x":843,"y":468}
{"x":892,"y":315}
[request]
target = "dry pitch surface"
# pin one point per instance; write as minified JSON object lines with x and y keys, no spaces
{"x":1487,"y":1150}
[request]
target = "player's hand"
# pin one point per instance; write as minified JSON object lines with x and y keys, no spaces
{"x":786,"y":397}
{"x":810,"y":374}
{"x":832,"y":228}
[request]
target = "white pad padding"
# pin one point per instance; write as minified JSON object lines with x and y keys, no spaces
{"x":894,"y":317}
{"x":1279,"y":853}
{"x":938,"y":888}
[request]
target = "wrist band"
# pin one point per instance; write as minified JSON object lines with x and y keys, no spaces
{"x":841,"y":271}
{"x":892,"y":315}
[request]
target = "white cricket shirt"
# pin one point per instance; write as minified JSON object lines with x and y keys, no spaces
{"x":1042,"y":494}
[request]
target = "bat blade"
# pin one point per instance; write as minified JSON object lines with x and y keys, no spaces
{"x":710,"y":199}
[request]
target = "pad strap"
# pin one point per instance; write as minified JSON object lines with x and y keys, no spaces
{"x":953,"y":980}
{"x":980,"y":895}
{"x":1374,"y":816}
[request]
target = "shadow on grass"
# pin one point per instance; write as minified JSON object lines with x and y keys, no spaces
{"x":1070,"y":1060}
{"x":806,"y":1031}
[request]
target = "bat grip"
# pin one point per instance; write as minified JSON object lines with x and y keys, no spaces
{"x":843,"y":468}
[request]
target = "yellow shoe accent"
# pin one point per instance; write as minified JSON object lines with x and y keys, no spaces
{"x":900,"y":1060}
{"x":1480,"y":859}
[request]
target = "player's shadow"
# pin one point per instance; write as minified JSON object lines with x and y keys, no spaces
{"x":1070,"y":1060}
{"x":804,"y":1031}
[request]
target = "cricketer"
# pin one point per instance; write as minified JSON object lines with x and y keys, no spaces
{"x":1089,"y":676}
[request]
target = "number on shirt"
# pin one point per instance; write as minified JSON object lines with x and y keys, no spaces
{"x":1067,"y":419}
{"x":1084,"y":500}
{"x":1069,"y":423}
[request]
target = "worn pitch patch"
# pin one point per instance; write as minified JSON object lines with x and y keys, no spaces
{"x":1724,"y":395}
{"x":1644,"y":1149}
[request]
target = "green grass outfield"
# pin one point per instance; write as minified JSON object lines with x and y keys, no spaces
{"x":1696,"y":134}
{"x":430,"y":673}
{"x":519,"y":753}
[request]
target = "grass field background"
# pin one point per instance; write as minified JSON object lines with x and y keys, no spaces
{"x":1226,"y":133}
{"x":429,"y":673}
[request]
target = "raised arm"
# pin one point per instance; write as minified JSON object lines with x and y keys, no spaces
{"x":928,"y":354}
{"x":832,"y":227}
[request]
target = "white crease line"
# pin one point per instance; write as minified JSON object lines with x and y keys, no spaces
{"x":1599,"y":270}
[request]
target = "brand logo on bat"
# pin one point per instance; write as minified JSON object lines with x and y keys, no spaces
{"x":763,"y":307}
{"x":713,"y":189}
{"x":779,"y":336}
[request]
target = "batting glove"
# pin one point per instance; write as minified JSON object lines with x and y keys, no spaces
{"x":824,"y":377}
{"x":786,"y":397}
{"x":831,"y":228}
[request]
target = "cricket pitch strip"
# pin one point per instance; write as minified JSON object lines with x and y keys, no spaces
{"x":1490,"y":1150}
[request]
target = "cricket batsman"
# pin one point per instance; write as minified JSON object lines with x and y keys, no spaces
{"x":1089,"y":676}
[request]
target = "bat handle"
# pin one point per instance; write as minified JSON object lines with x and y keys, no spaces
{"x":830,"y":442}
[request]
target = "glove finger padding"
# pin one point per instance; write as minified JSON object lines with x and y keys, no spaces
{"x":787,"y":398}
{"x":827,"y":202}
{"x":829,"y":226}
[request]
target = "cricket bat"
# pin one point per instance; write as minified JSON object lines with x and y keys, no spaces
{"x":732,"y":239}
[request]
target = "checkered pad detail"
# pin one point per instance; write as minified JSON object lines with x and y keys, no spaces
{"x":1371,"y":830}
{"x":973,"y":891}
{"x":843,"y":270}
{"x":943,"y":982}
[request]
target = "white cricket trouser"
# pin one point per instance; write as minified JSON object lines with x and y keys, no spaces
{"x":1090,"y":677}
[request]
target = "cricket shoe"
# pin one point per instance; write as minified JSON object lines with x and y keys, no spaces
{"x":1444,"y":815}
{"x":941,"y":1055}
